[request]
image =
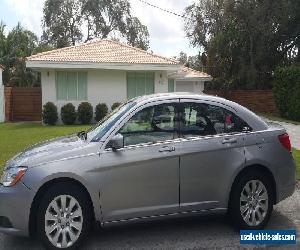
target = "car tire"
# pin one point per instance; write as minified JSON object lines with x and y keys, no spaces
{"x":251,"y":201}
{"x":71,"y":225}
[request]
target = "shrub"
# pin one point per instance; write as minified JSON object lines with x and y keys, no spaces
{"x":100,"y":111}
{"x":50,"y":113}
{"x":115,"y":105}
{"x":68,"y":114}
{"x":287,"y":91}
{"x":85,"y":113}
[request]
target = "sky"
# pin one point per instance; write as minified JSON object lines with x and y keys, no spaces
{"x":167,"y":35}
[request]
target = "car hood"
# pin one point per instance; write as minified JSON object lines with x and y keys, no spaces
{"x":55,"y":149}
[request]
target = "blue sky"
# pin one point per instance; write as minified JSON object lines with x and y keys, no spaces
{"x":167,"y":36}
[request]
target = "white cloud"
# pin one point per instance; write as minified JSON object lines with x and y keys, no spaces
{"x":167,"y":35}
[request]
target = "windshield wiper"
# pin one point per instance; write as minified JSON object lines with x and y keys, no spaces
{"x":82,"y":134}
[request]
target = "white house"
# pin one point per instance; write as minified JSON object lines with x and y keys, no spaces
{"x":2,"y":98}
{"x":107,"y":71}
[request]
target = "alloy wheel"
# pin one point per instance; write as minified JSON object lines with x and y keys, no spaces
{"x":63,"y":221}
{"x":254,"y":202}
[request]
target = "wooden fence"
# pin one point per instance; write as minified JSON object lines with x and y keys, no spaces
{"x":23,"y":104}
{"x":259,"y":101}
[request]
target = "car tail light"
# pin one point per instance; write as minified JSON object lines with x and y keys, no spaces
{"x":285,"y":141}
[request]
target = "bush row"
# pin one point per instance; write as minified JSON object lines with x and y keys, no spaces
{"x":69,"y":114}
{"x":287,"y":92}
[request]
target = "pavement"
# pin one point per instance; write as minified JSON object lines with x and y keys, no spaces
{"x":206,"y":232}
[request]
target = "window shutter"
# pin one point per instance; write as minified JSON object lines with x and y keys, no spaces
{"x":140,"y":83}
{"x":149,"y":83}
{"x":131,"y":85}
{"x":170,"y":85}
{"x":72,"y":85}
{"x":61,"y":85}
{"x":82,"y":85}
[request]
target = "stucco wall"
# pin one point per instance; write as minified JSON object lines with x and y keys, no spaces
{"x":106,"y":86}
{"x":2,"y":101}
{"x":189,"y":86}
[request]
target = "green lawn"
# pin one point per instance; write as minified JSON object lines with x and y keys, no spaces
{"x":296,"y":154}
{"x":14,"y":137}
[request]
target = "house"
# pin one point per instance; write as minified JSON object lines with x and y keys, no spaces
{"x":2,"y":100}
{"x":107,"y":71}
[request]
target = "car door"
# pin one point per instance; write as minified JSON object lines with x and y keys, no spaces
{"x":142,"y":179}
{"x":212,"y":150}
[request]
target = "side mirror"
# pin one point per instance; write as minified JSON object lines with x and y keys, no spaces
{"x":116,"y":142}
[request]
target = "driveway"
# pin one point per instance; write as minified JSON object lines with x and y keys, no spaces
{"x":192,"y":233}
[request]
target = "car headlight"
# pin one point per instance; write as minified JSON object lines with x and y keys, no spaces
{"x":11,"y":176}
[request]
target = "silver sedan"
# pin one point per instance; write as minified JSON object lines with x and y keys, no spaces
{"x":157,"y":156}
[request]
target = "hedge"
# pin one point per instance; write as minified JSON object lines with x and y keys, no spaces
{"x":286,"y":91}
{"x":68,"y":114}
{"x":85,"y":113}
{"x":101,"y":111}
{"x":50,"y":115}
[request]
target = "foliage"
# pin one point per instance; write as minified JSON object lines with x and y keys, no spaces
{"x":50,"y":113}
{"x":85,"y":113}
{"x":287,"y":92}
{"x":14,"y":48}
{"x":115,"y":105}
{"x":245,"y":41}
{"x":63,"y":22}
{"x":15,"y":137}
{"x":68,"y":114}
{"x":100,"y":111}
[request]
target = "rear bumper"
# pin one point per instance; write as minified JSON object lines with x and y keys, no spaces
{"x":15,"y":203}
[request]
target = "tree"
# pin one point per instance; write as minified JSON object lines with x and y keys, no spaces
{"x":14,"y":48}
{"x":244,"y":41}
{"x":64,"y":21}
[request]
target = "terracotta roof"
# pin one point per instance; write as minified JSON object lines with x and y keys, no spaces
{"x":186,"y":73}
{"x":102,"y":51}
{"x":191,"y":73}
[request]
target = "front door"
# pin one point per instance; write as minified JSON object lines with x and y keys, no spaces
{"x":212,"y":150}
{"x":142,"y":179}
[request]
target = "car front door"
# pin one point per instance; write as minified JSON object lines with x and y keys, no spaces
{"x":142,"y":179}
{"x":212,"y":150}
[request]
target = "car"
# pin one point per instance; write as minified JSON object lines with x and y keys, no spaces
{"x":156,"y":156}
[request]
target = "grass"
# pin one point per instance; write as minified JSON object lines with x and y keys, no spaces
{"x":14,"y":137}
{"x":278,"y":118}
{"x":296,"y":154}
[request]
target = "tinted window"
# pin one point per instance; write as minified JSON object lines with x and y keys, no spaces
{"x":150,"y":125}
{"x":203,"y":119}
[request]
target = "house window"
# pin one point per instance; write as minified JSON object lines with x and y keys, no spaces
{"x":139,"y":83}
{"x":170,"y":85}
{"x":71,"y":85}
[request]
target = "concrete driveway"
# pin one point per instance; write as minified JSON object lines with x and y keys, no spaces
{"x":208,"y":232}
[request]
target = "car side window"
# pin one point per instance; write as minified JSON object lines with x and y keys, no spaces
{"x":150,"y":125}
{"x":199,"y":119}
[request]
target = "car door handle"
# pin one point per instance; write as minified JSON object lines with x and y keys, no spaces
{"x":167,"y":149}
{"x":229,"y":141}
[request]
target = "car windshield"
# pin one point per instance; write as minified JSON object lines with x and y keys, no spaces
{"x":96,"y":132}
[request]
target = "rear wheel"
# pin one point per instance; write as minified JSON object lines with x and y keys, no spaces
{"x":64,"y":217}
{"x":251,"y":201}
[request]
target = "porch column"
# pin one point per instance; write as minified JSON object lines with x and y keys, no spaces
{"x":2,"y":98}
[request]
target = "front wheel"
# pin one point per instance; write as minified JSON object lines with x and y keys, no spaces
{"x":251,"y":201}
{"x":64,"y":217}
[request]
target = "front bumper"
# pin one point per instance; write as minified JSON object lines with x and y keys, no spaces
{"x":15,"y":203}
